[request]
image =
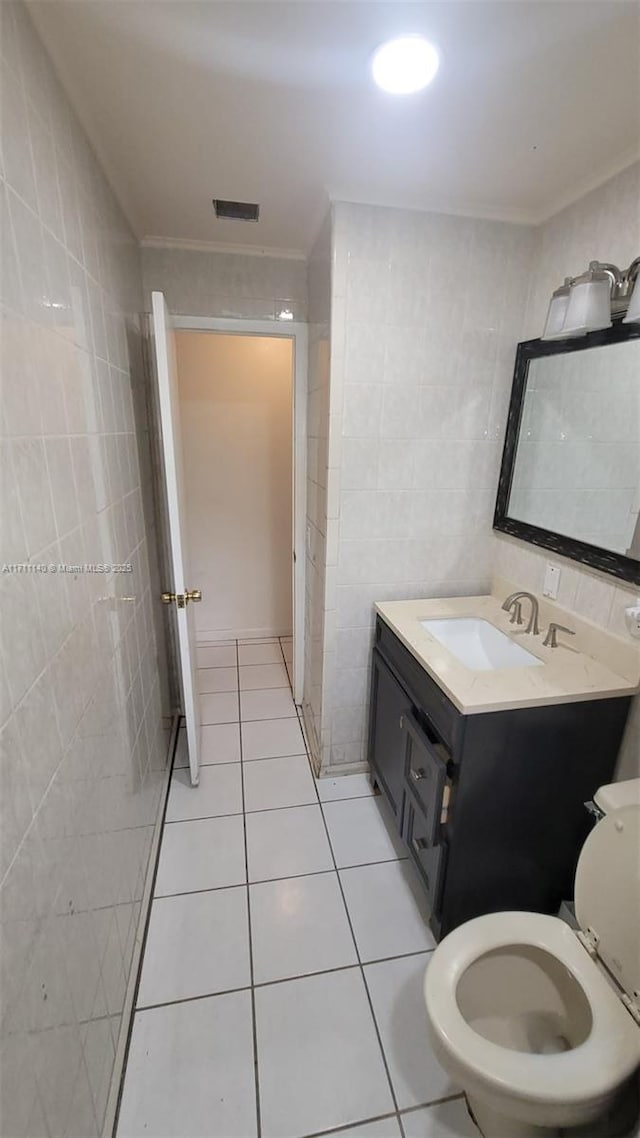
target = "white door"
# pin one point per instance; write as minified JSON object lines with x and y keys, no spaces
{"x":180,"y":593}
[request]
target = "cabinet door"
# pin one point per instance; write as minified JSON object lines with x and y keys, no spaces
{"x":390,"y":707}
{"x":426,"y":775}
{"x":429,"y":860}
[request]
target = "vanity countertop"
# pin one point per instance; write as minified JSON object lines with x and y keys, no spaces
{"x":596,"y":664}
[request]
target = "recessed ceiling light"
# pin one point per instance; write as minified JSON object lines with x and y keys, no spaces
{"x":405,"y":65}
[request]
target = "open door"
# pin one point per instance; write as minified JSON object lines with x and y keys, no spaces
{"x":178,"y":593}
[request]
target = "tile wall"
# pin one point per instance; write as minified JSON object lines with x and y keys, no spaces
{"x":317,"y":462}
{"x":426,"y":312}
{"x":604,"y":225}
{"x":225,"y":284}
{"x":83,"y":746}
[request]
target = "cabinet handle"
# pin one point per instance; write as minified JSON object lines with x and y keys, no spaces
{"x":419,"y":844}
{"x":401,"y":722}
{"x":418,"y":775}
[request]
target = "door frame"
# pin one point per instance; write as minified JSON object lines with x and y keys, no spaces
{"x":296,"y":331}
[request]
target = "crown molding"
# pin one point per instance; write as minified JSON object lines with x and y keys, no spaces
{"x":474,"y":210}
{"x":588,"y":185}
{"x":485,"y":212}
{"x":150,"y":242}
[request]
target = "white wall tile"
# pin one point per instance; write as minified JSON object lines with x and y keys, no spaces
{"x":81,"y":708}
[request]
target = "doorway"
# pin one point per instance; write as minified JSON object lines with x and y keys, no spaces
{"x":242,"y":395}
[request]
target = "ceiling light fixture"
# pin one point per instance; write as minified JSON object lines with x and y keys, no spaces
{"x":405,"y":65}
{"x":593,"y":300}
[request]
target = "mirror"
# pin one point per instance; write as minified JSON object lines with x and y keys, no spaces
{"x":570,"y":477}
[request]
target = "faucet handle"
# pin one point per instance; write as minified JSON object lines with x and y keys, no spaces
{"x":551,"y":639}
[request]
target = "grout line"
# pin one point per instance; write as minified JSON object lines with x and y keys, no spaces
{"x":247,"y":886}
{"x":359,"y":958}
{"x":290,"y":877}
{"x":125,"y":1061}
{"x":192,"y":999}
{"x":433,"y":1102}
{"x":256,"y":1073}
{"x":272,"y":984}
{"x":274,"y":810}
{"x":382,"y":1117}
{"x":227,"y":763}
{"x":352,"y":1125}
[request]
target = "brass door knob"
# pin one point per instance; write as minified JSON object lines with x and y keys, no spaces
{"x":181,"y":599}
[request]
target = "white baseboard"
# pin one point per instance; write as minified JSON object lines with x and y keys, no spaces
{"x":213,"y":635}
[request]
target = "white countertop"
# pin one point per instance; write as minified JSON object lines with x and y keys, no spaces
{"x":596,"y":665}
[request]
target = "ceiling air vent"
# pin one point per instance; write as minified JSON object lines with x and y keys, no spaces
{"x":238,"y":211}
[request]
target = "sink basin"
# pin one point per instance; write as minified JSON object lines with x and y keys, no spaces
{"x":480,"y":645}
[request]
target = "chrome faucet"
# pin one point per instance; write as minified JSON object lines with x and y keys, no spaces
{"x":513,"y":603}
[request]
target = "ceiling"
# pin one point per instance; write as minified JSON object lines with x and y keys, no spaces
{"x":186,"y":100}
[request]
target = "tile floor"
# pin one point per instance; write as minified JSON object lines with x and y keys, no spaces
{"x":281,"y":988}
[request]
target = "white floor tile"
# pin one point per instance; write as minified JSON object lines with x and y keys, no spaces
{"x":217,"y":679}
{"x":221,"y":707}
{"x":316,"y":1038}
{"x":220,"y":656}
{"x":275,"y":703}
{"x":299,"y":925}
{"x":284,"y":843}
{"x":387,"y":910}
{"x":267,"y":653}
{"x":254,"y":677}
{"x":272,"y":783}
{"x":361,"y":831}
{"x":347,"y":786}
{"x":270,"y":738}
{"x":396,"y":990}
{"x":383,"y":1128}
{"x":444,"y":1120}
{"x":201,"y":855}
{"x":197,"y":944}
{"x":190,"y":1071}
{"x":219,"y":743}
{"x":219,"y":792}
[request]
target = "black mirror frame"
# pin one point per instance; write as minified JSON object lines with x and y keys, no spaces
{"x":616,"y":564}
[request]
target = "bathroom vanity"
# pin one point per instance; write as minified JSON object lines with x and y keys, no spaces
{"x":487,"y":769}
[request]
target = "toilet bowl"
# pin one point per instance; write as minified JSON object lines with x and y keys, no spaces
{"x":540,"y":1024}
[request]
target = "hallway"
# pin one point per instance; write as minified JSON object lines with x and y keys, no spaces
{"x":286,"y":939}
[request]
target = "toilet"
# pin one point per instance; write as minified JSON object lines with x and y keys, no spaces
{"x":540,"y":1023}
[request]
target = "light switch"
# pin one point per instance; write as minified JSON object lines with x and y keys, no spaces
{"x":551,"y":581}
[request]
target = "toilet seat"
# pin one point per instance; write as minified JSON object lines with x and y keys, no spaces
{"x":610,"y":1053}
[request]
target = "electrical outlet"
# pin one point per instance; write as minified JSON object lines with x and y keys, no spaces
{"x":551,"y":581}
{"x":632,"y":619}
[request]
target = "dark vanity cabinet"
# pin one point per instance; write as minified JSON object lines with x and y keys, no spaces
{"x":490,"y":806}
